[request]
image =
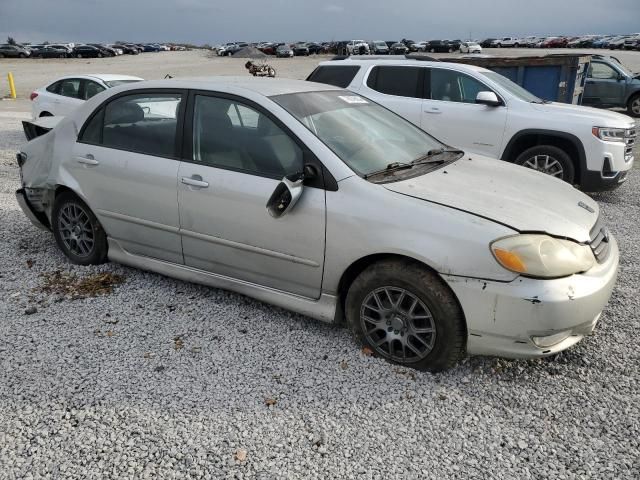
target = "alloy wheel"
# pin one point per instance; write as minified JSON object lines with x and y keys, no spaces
{"x":76,"y":230}
{"x":398,"y":324}
{"x":635,"y":106}
{"x":545,"y":164}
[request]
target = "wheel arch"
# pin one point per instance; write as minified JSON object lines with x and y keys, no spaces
{"x":568,"y":142}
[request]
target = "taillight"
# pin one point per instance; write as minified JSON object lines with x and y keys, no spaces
{"x":33,"y":95}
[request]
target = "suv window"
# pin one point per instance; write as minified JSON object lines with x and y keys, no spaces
{"x":144,"y":123}
{"x":602,"y":71}
{"x":69,"y":87}
{"x":451,"y":86}
{"x":338,"y":76}
{"x":230,"y":135}
{"x":396,"y":80}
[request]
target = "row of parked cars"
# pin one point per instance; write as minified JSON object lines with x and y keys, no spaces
{"x":612,"y":42}
{"x":87,"y":50}
{"x":374,"y":195}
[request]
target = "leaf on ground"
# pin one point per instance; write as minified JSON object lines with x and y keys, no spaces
{"x":367,"y":352}
{"x":178,"y":343}
{"x":30,"y":263}
{"x":69,"y":285}
{"x":270,"y":401}
{"x":344,"y":365}
{"x":240,"y":455}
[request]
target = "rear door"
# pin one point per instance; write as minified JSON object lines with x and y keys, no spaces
{"x":451,"y":115}
{"x":397,"y":87}
{"x":126,"y":163}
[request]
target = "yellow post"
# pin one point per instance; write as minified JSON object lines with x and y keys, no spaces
{"x":12,"y":86}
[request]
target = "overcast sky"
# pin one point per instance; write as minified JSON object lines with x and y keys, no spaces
{"x":210,"y":21}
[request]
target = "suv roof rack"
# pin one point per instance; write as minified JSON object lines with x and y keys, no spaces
{"x":422,"y":58}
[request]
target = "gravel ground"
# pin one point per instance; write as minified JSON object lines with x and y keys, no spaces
{"x":164,"y":379}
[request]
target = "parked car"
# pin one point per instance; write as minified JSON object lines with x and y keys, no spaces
{"x":470,"y":47}
{"x":487,"y":43}
{"x":609,"y":84}
{"x":330,"y":216}
{"x":284,"y":51}
{"x":13,"y":51}
{"x":47,"y":51}
{"x":316,"y":48}
{"x":419,"y":47}
{"x":151,"y":48}
{"x":617,"y":43}
{"x":484,"y":112}
{"x":631,"y":43}
{"x":505,"y":42}
{"x":88,"y":51}
{"x":357,"y":47}
{"x":378,"y":47}
{"x":62,"y":46}
{"x":555,"y":42}
{"x":398,"y":49}
{"x":62,"y":96}
{"x":435,"y":46}
{"x":126,"y":49}
{"x":528,"y":42}
{"x":106,"y":51}
{"x":300,"y":49}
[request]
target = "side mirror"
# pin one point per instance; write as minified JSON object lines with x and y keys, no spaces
{"x":288,"y":192}
{"x":488,"y":98}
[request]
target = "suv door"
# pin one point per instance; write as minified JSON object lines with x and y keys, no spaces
{"x":397,"y":87}
{"x":451,"y":115}
{"x":604,"y":86}
{"x":126,"y":164}
{"x":236,"y":156}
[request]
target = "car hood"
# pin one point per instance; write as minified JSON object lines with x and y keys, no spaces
{"x":594,"y":116}
{"x":520,"y":198}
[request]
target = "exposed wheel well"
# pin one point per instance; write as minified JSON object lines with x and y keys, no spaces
{"x":46,"y":114}
{"x":357,"y":267}
{"x":524,"y":142}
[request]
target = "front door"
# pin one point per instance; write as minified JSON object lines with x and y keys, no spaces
{"x":451,"y":115}
{"x":604,"y":86}
{"x":126,"y":161}
{"x":238,"y":157}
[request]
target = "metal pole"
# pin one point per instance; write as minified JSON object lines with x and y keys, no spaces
{"x":12,"y":86}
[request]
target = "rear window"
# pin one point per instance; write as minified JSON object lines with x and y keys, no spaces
{"x":338,"y":76}
{"x":396,"y":80}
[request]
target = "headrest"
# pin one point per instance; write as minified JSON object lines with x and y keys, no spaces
{"x":123,"y":113}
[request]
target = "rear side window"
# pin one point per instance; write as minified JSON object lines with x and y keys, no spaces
{"x":54,"y":87}
{"x":396,"y":80}
{"x":338,"y":76}
{"x":70,"y":88}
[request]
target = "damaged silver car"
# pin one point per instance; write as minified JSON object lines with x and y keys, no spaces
{"x":320,"y":201}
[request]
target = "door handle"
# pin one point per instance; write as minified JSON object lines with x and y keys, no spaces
{"x":434,"y":111}
{"x":88,"y":160}
{"x":195,"y":181}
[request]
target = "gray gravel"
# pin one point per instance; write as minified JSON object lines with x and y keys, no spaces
{"x":164,"y":379}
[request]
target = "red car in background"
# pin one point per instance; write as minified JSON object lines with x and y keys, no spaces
{"x":555,"y":42}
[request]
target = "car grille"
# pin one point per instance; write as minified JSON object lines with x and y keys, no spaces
{"x":630,"y":142}
{"x":599,"y":242}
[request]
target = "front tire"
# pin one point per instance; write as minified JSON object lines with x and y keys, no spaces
{"x":77,"y":231}
{"x":548,"y":159}
{"x":406,"y":314}
{"x":633,"y":106}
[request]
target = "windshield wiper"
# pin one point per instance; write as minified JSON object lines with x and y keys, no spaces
{"x":433,"y":153}
{"x":389,"y":168}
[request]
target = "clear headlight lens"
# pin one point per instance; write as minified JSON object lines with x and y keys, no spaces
{"x":542,"y":256}
{"x":609,"y":134}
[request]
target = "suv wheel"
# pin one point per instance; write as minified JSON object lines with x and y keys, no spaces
{"x":633,"y":107}
{"x":77,"y":231}
{"x":548,"y":159}
{"x":406,"y":314}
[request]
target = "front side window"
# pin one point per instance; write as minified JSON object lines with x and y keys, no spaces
{"x":231,"y":135}
{"x":395,"y":80}
{"x":602,"y":71}
{"x":143,"y":123}
{"x":70,"y":87}
{"x":364,"y":135}
{"x":451,"y":86}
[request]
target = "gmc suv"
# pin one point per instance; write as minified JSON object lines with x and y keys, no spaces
{"x":484,"y":112}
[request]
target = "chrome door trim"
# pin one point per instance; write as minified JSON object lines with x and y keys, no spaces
{"x":323,"y":309}
{"x":249,"y":248}
{"x":138,"y":221}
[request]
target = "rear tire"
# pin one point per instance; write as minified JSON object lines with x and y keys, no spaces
{"x":415,"y":321}
{"x":633,"y":106}
{"x":548,"y":159}
{"x":77,"y":231}
{"x":79,"y":55}
{"x":22,"y":55}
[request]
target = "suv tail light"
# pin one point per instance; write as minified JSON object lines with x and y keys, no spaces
{"x":33,"y":95}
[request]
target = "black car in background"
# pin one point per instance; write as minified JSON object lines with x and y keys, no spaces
{"x":398,"y":48}
{"x":440,"y":46}
{"x":316,"y":48}
{"x":455,"y":44}
{"x":106,"y":51}
{"x":487,"y":42}
{"x":126,"y":49}
{"x":87,"y":51}
{"x":300,"y":49}
{"x":13,"y":51}
{"x":48,"y":51}
{"x":378,"y":47}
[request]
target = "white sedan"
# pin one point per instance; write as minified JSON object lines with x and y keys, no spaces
{"x":470,"y":47}
{"x":65,"y":94}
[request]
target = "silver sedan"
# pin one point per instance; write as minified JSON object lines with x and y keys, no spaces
{"x":320,"y":201}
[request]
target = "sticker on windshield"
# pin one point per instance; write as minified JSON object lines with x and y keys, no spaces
{"x":352,"y":99}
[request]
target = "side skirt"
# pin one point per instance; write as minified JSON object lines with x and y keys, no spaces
{"x":323,"y":309}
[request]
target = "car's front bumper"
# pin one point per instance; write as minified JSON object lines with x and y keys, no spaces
{"x":503,"y":318}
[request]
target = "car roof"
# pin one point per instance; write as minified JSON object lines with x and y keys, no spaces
{"x":401,"y":60}
{"x":104,"y":77}
{"x":263,"y":86}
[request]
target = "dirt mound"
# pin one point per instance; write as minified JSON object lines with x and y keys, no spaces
{"x":249,"y":52}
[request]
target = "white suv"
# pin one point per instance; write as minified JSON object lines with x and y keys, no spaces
{"x":358,"y":47}
{"x":481,"y":111}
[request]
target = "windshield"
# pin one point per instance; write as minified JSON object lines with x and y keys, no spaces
{"x":366,"y":136}
{"x":512,"y":88}
{"x":380,"y":44}
{"x":115,"y":83}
